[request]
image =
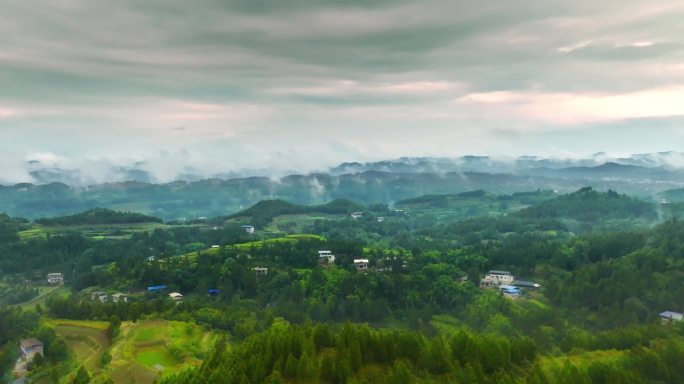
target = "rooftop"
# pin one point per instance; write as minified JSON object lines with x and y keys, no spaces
{"x":29,"y":343}
{"x":671,"y":315}
{"x":493,"y":272}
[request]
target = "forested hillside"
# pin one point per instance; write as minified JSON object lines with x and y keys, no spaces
{"x":99,"y":216}
{"x":413,"y":312}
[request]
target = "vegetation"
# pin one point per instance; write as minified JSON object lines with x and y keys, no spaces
{"x":100,"y":216}
{"x":607,"y":264}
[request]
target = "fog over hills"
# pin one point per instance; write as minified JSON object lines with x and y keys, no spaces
{"x":659,"y":166}
{"x":192,"y":192}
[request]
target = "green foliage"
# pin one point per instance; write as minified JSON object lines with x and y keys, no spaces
{"x":99,"y":216}
{"x":81,"y":377}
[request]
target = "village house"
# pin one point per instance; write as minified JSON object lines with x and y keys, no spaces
{"x":29,"y":348}
{"x":496,"y":278}
{"x":669,"y":317}
{"x":380,"y":219}
{"x":175,"y":296}
{"x":55,"y":278}
{"x":261,"y":271}
{"x":151,"y":258}
{"x":120,"y":298}
{"x":248,"y":229}
{"x":326,"y":257}
{"x":156,"y":288}
{"x":361,"y":264}
{"x":357,"y":215}
{"x":509,"y":291}
{"x":99,"y":295}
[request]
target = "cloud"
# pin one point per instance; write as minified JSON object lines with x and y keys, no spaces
{"x":579,"y":108}
{"x":239,"y":83}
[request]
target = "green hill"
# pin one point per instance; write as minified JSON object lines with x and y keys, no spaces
{"x":100,"y":216}
{"x":589,"y":205}
{"x":265,"y":211}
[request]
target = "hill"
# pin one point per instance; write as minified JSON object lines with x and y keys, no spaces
{"x":589,"y":205}
{"x":100,"y":216}
{"x":265,"y":211}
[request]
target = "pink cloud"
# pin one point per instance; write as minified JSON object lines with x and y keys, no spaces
{"x":566,"y":108}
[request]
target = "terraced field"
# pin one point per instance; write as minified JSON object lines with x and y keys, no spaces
{"x":87,"y":339}
{"x":146,"y":350}
{"x":94,"y":231}
{"x":143,"y":351}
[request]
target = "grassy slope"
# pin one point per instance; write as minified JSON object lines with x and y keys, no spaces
{"x":254,"y":244}
{"x":45,"y":292}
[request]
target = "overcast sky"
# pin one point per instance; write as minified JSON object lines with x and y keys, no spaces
{"x":305,"y":84}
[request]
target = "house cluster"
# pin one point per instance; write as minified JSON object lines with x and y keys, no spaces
{"x":104,"y":297}
{"x":506,"y":283}
{"x":56,"y":278}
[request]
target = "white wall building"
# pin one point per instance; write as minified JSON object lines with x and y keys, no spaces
{"x":496,"y":278}
{"x":361,"y":264}
{"x":326,"y":257}
{"x":55,"y":278}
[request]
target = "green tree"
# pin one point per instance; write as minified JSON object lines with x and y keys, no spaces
{"x":82,"y":376}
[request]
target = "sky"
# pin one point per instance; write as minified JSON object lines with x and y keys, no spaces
{"x":224,"y":85}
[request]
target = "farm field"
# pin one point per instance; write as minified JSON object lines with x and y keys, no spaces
{"x":146,"y":350}
{"x":93,"y":231}
{"x":253,"y":244}
{"x":295,"y":223}
{"x":141,"y":353}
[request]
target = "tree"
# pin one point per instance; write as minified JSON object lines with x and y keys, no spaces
{"x":106,"y":358}
{"x":82,"y":376}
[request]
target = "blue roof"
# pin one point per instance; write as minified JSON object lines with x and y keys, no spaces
{"x":156,"y":288}
{"x":213,"y":291}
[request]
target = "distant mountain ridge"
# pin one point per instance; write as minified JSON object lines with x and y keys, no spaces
{"x":382,"y":182}
{"x":44,"y":173}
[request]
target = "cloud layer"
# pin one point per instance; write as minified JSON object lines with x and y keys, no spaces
{"x":307,"y":84}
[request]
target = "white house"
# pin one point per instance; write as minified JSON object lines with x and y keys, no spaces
{"x":509,"y":291}
{"x":361,"y":264}
{"x":326,"y":257}
{"x":496,"y":278}
{"x":29,"y":348}
{"x":261,"y":271}
{"x":248,"y":229}
{"x":151,"y":258}
{"x":381,"y":219}
{"x":175,"y":296}
{"x":120,"y":297}
{"x":669,"y":317}
{"x":55,"y":278}
{"x":99,"y":295}
{"x":357,"y":215}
